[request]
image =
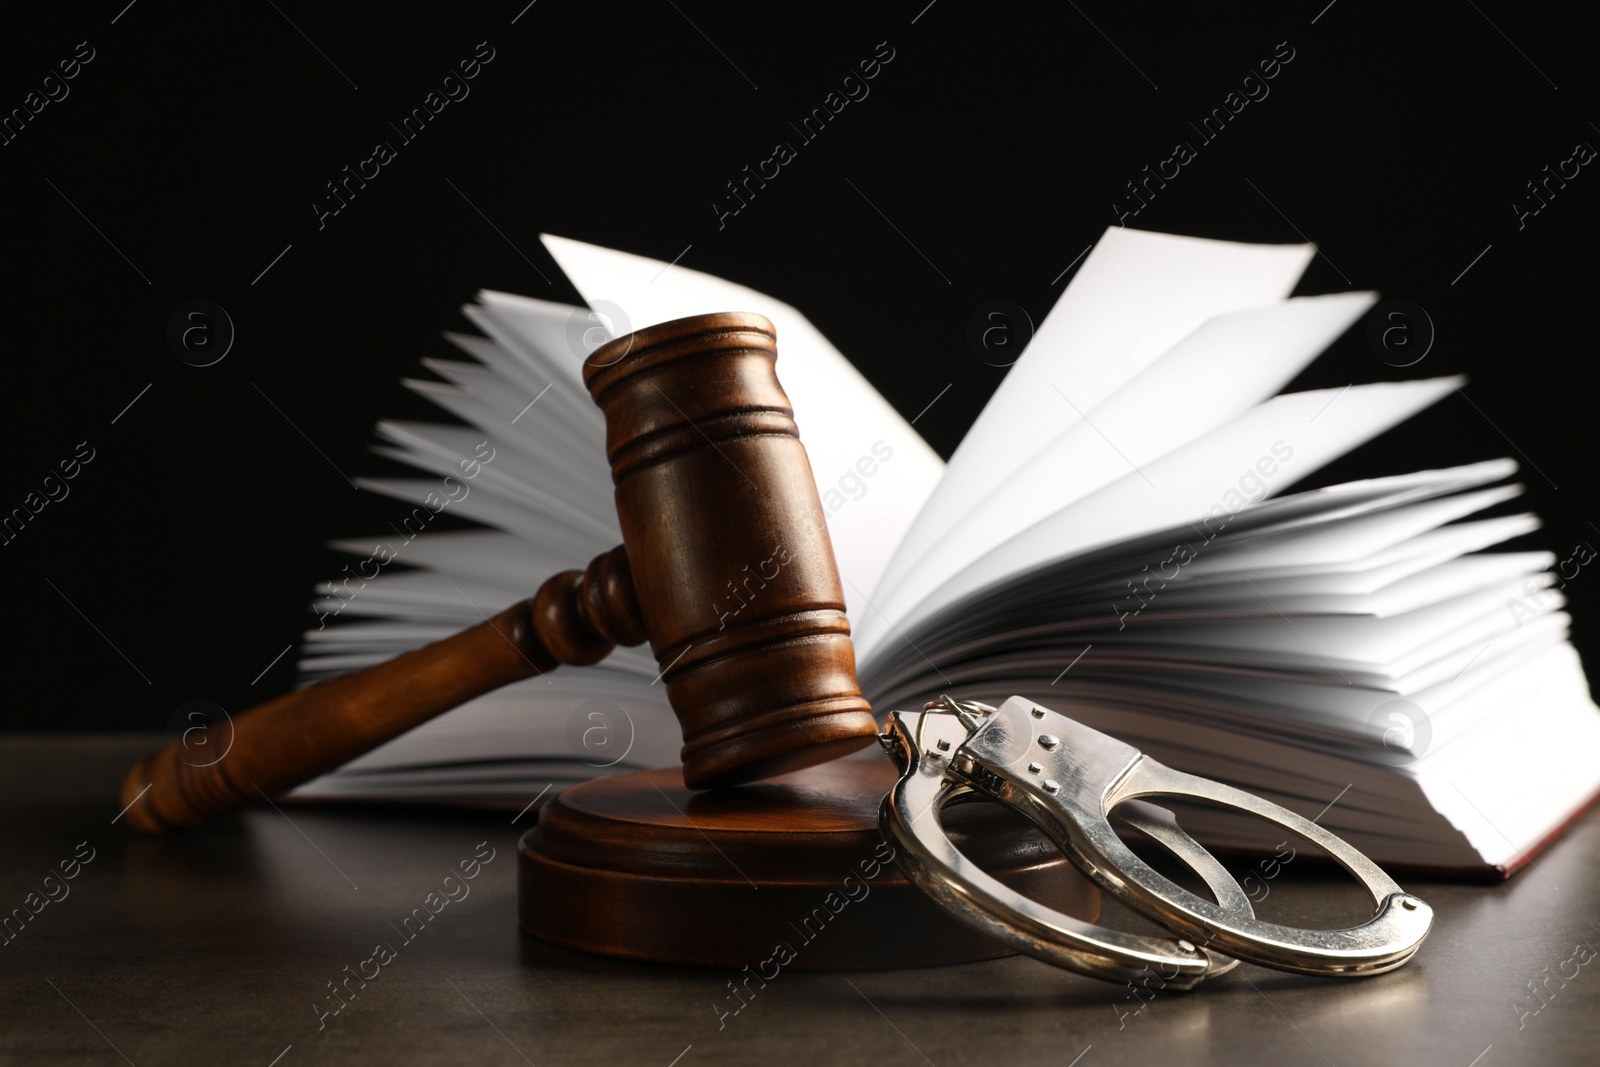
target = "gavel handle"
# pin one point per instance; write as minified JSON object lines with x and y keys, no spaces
{"x":576,"y":617}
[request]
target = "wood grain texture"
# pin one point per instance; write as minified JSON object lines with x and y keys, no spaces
{"x":717,"y":506}
{"x":731,"y":559}
{"x":640,"y":867}
{"x":295,"y":737}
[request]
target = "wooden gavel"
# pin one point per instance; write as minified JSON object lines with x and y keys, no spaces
{"x":710,"y":475}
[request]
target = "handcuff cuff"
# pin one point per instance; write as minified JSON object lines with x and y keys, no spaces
{"x":1071,"y":782}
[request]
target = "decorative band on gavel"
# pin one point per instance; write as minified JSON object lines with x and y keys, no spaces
{"x":711,"y":482}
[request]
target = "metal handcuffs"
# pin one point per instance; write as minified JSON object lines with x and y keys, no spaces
{"x":1071,"y":781}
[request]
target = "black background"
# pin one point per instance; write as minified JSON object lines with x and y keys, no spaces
{"x":197,"y":139}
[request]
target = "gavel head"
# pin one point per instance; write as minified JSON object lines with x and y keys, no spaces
{"x":730,"y":559}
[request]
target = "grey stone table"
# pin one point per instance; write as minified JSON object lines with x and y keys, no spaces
{"x":225,"y":946}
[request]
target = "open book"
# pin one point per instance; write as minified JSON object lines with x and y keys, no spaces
{"x":1112,"y":539}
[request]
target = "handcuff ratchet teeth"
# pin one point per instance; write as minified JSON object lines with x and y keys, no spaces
{"x":1072,"y":781}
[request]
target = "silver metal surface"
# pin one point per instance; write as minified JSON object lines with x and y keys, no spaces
{"x":1070,"y":781}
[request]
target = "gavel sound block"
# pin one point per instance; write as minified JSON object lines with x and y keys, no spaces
{"x":710,"y":475}
{"x":790,"y":873}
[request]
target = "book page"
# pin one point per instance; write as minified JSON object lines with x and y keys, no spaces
{"x":1400,"y":561}
{"x":535,"y":333}
{"x":1288,"y":595}
{"x":1271,"y":447}
{"x":873,"y":471}
{"x":1348,"y":540}
{"x":1136,"y":296}
{"x":1226,"y":366}
{"x":1517,"y":783}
